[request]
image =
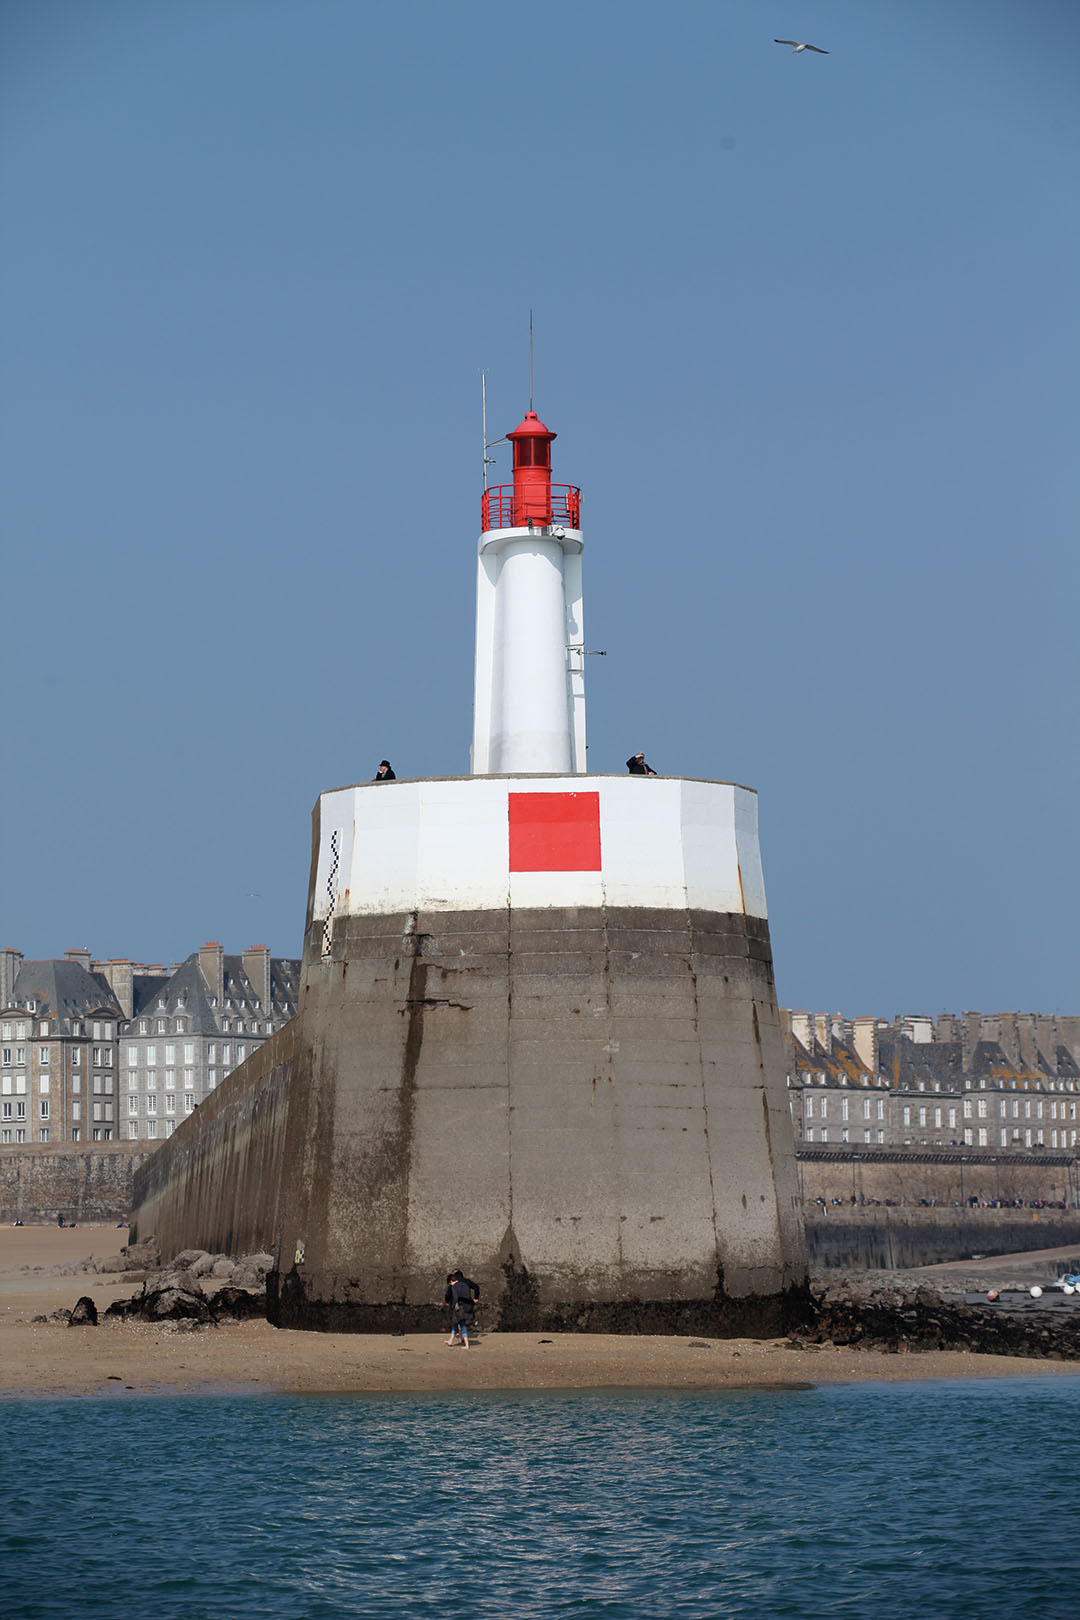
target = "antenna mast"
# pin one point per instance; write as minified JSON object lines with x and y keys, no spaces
{"x":530,"y":361}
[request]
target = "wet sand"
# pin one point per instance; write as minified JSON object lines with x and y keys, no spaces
{"x":128,"y":1358}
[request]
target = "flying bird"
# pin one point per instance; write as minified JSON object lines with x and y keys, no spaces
{"x":796,"y":47}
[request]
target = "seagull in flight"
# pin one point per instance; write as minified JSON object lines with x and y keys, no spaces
{"x":796,"y":47}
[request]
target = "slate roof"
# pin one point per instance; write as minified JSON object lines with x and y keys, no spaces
{"x":186,"y":991}
{"x":65,"y":990}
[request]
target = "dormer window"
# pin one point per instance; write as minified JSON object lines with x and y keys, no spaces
{"x":144,"y":1026}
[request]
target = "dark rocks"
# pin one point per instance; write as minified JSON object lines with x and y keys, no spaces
{"x":921,"y":1319}
{"x":177,"y":1294}
{"x":84,"y":1314}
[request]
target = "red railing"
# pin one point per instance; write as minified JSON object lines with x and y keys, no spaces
{"x":497,"y":509}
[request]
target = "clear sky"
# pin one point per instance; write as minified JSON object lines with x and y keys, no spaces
{"x":807,"y":328}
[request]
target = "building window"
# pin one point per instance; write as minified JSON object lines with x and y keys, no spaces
{"x":983,"y":1135}
{"x":1027,"y":1137}
{"x":76,"y":1110}
{"x":189,"y":1101}
{"x":133,"y":1132}
{"x":937,"y":1119}
{"x":907,"y":1116}
{"x":45,"y":1056}
{"x":922,"y":1116}
{"x":43,"y":1027}
{"x":824,"y":1134}
{"x":20,"y":1032}
{"x":1004,"y":1109}
{"x":7,"y":1057}
{"x":133,"y":1082}
{"x":170,"y":1079}
{"x":211,"y":1079}
{"x":43,"y":1134}
{"x":982,"y":1107}
{"x":133,"y":1105}
{"x":969,"y":1138}
{"x":181,"y":1025}
{"x":151,"y":1104}
{"x":151,"y":1127}
{"x":20,"y":1057}
{"x":76,"y":1135}
{"x":5,"y":1136}
{"x":170,"y":1052}
{"x":1038,"y":1110}
{"x":151,"y":1056}
{"x":866,"y":1109}
{"x":43,"y":1084}
{"x":809,"y":1133}
{"x":161,"y":1026}
{"x":881,"y":1136}
{"x":967,"y":1108}
{"x":144,"y":1026}
{"x":169,"y":1127}
{"x":226,"y":1054}
{"x":1004,"y":1138}
{"x":824,"y":1109}
{"x":808,"y":1107}
{"x":170,"y":1104}
{"x":20,"y":1136}
{"x":97,"y":1031}
{"x":211,"y":1053}
{"x":241,"y":1054}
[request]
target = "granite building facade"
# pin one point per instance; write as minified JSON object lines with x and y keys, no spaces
{"x":119,"y":1051}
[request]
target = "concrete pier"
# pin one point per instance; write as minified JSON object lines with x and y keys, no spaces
{"x":582,"y":1104}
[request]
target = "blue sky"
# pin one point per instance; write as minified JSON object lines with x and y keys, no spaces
{"x":806,"y":327}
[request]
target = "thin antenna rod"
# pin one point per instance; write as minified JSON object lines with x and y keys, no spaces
{"x":483,"y":420}
{"x":530,"y":361}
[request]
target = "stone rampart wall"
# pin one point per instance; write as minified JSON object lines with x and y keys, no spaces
{"x":84,"y":1182}
{"x":909,"y":1181}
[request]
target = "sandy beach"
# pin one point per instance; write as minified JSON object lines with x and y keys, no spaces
{"x":50,"y":1358}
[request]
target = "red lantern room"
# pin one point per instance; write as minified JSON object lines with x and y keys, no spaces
{"x":532,"y":471}
{"x":531,"y":498}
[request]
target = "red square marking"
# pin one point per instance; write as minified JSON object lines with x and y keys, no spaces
{"x":554,"y":832}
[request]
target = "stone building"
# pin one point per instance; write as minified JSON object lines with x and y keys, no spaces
{"x":59,"y":1041}
{"x":211,"y":1014}
{"x":1002,"y":1082}
{"x":117,"y":1050}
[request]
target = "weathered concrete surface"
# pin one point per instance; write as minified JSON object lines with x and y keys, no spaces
{"x":584,"y":1108}
{"x":887,"y":1239}
{"x":82,"y":1181}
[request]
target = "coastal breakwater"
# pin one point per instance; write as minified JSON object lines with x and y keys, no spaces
{"x":885,"y":1239}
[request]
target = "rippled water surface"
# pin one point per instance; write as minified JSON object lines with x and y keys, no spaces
{"x":946,"y":1500}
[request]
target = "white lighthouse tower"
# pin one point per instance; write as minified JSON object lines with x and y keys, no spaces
{"x":529,"y":712}
{"x":537,"y":1026}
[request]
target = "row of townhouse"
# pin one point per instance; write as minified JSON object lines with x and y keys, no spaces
{"x":935,"y":1083}
{"x":107,"y":1051}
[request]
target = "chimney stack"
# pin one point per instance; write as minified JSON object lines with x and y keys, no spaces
{"x":257,"y":968}
{"x":212,"y":963}
{"x":120,"y":973}
{"x":865,"y":1040}
{"x":10,"y":960}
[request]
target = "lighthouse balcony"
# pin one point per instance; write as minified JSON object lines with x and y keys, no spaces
{"x":502,"y":509}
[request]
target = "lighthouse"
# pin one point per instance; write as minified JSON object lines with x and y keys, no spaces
{"x":529,"y":707}
{"x":537,"y":1032}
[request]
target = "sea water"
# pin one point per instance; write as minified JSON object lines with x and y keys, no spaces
{"x":906,"y":1501}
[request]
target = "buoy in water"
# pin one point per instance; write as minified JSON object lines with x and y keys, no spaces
{"x":1035,"y":1291}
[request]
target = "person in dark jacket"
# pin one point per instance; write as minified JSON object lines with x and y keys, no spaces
{"x":461,"y":1295}
{"x":636,"y":765}
{"x":385,"y":772}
